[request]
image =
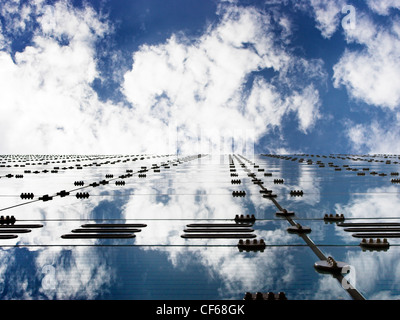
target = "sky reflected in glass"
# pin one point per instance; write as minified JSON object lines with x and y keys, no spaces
{"x":177,"y":192}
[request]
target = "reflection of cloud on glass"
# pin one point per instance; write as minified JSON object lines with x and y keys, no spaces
{"x":206,"y":200}
{"x":375,"y":268}
{"x":192,"y":204}
{"x":308,"y":181}
{"x":301,"y":178}
{"x":238,"y":271}
{"x":107,"y":209}
{"x":243,"y":271}
{"x":76,"y":273}
{"x":54,"y":273}
{"x":72,"y":209}
{"x":6,"y":259}
{"x":328,"y":287}
{"x":375,"y":203}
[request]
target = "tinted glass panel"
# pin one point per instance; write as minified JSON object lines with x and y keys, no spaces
{"x":168,"y":227}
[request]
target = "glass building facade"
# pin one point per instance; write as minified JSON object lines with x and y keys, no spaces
{"x":212,"y":227}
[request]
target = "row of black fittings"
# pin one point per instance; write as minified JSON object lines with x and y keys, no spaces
{"x":251,"y":245}
{"x":336,"y":217}
{"x":245,"y":218}
{"x":7,"y":220}
{"x":28,"y":195}
{"x":82,"y":195}
{"x":372,"y":244}
{"x":238,"y":193}
{"x":298,"y":193}
{"x":265,"y":296}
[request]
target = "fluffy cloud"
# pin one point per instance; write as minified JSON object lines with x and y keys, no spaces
{"x":3,"y":42}
{"x":47,"y":102}
{"x":383,"y":6}
{"x":16,"y":15}
{"x":180,"y":90}
{"x":381,"y":201}
{"x":374,"y":137}
{"x":368,"y":73}
{"x":266,"y":100}
{"x":205,"y":80}
{"x":46,"y":99}
{"x":327,"y":14}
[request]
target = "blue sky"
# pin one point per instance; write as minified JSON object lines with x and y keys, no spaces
{"x":149,"y":76}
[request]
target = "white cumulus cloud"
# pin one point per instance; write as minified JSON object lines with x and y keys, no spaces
{"x":174,"y":90}
{"x":383,"y":6}
{"x":369,"y":73}
{"x":204,"y":81}
{"x":327,"y":14}
{"x":374,"y":137}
